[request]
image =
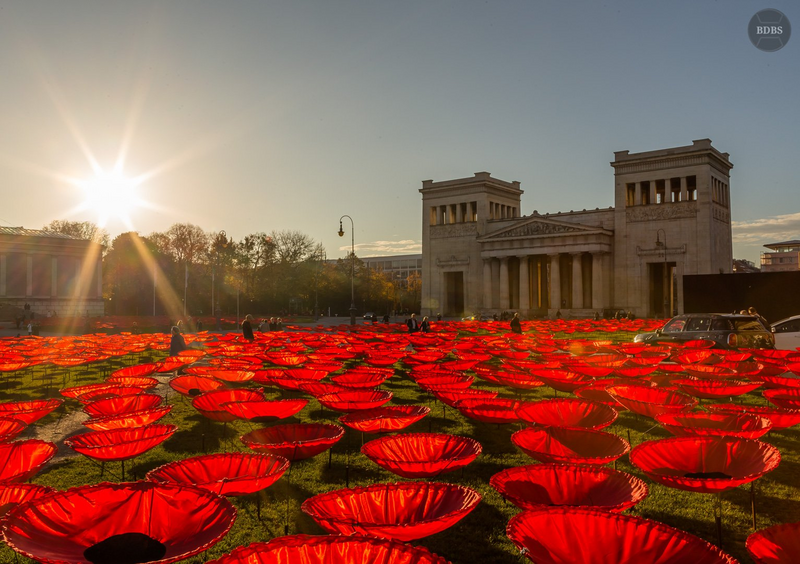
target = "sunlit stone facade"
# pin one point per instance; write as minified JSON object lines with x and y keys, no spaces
{"x":671,"y":217}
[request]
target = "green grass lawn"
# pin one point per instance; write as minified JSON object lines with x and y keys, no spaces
{"x":478,"y":538}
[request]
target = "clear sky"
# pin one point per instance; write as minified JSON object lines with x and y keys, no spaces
{"x":269,"y":115}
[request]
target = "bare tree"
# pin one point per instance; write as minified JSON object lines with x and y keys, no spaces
{"x":80,"y":229}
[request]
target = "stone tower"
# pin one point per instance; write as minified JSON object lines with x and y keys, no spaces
{"x":454,"y":216}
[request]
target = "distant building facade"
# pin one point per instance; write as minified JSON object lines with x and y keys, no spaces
{"x":671,"y":217}
{"x":50,"y":272}
{"x":396,"y":268}
{"x":783,"y":257}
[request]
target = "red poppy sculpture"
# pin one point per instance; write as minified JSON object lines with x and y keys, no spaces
{"x":715,"y":389}
{"x":568,"y":412}
{"x":20,"y":460}
{"x":113,"y":523}
{"x":120,"y":444}
{"x":705,"y":464}
{"x":210,"y":404}
{"x":359,"y":380}
{"x":386,"y":419}
{"x":401,"y":511}
{"x":422,"y":455}
{"x":136,"y":371}
{"x":12,"y":495}
{"x":128,"y":420}
{"x":295,"y":441}
{"x":192,"y":385}
{"x":355,"y":400}
{"x":134,"y":381}
{"x":228,"y":474}
{"x":704,"y":423}
{"x":544,"y":485}
{"x":780,"y":417}
{"x":787,"y":398}
{"x":121,"y":405}
{"x":497,"y":410}
{"x":452,"y":396}
{"x":557,"y":535}
{"x":330,"y":549}
{"x":570,"y":445}
{"x":649,"y":401}
{"x":10,"y":428}
{"x":775,"y":545}
{"x":265,"y":411}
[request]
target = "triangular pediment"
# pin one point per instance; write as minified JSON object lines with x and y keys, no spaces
{"x":542,"y":227}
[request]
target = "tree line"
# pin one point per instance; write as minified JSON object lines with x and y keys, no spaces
{"x":276,"y":273}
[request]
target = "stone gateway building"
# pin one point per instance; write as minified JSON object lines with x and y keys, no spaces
{"x":671,"y":218}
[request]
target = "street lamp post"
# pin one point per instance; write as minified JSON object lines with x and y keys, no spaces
{"x":666,"y":277}
{"x":221,"y":236}
{"x":352,"y":266}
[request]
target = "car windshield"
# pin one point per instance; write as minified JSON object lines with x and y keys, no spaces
{"x":675,"y":325}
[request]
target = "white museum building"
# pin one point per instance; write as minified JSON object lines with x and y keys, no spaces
{"x":671,"y":218}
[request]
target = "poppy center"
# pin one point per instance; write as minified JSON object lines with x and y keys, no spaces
{"x":126,"y":548}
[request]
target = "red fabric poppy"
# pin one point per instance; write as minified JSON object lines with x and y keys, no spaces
{"x":113,"y":390}
{"x":149,"y":522}
{"x":518,"y":380}
{"x":231,"y":375}
{"x":563,"y":380}
{"x":228,"y":474}
{"x":781,"y":380}
{"x":775,"y":545}
{"x":558,"y":534}
{"x":121,"y":405}
{"x":597,"y":392}
{"x":359,"y":380}
{"x":451,"y":397}
{"x":543,"y":485}
{"x":569,"y":444}
{"x":568,"y":412}
{"x":134,"y":381}
{"x":497,"y":410}
{"x":120,"y":444}
{"x":386,"y":419}
{"x":294,"y":441}
{"x":355,"y":400}
{"x":780,"y":417}
{"x":20,"y":460}
{"x":263,"y":411}
{"x":12,"y":495}
{"x":715,"y":389}
{"x":285,"y":358}
{"x":317,"y":389}
{"x":192,"y":385}
{"x":10,"y":428}
{"x":401,"y":511}
{"x":140,"y":370}
{"x":75,"y":391}
{"x":705,"y":464}
{"x":703,"y":423}
{"x":210,"y":404}
{"x":307,"y":549}
{"x":422,"y":455}
{"x":787,"y":398}
{"x":435,"y":382}
{"x":649,"y":401}
{"x":128,"y":420}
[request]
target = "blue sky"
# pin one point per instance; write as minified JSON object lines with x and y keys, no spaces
{"x":269,"y":115}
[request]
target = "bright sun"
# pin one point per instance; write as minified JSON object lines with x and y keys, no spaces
{"x":111,"y":196}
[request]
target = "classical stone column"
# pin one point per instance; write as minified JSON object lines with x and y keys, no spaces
{"x":577,"y":281}
{"x":638,"y":198}
{"x":54,"y":277}
{"x":524,"y":284}
{"x":487,"y":283}
{"x":653,"y":194}
{"x":2,"y":275}
{"x":597,"y":280}
{"x":29,"y":284}
{"x":504,"y":297}
{"x":684,"y":190}
{"x":459,"y":214}
{"x":555,"y":281}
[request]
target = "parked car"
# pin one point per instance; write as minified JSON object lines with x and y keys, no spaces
{"x":370,"y":316}
{"x":728,"y":331}
{"x":787,"y":333}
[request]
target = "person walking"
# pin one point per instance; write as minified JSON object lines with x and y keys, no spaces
{"x":516,"y":325}
{"x":247,"y":328}
{"x":425,"y":326}
{"x":412,"y":323}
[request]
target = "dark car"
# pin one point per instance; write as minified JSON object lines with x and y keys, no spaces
{"x":370,"y":316}
{"x":728,"y":331}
